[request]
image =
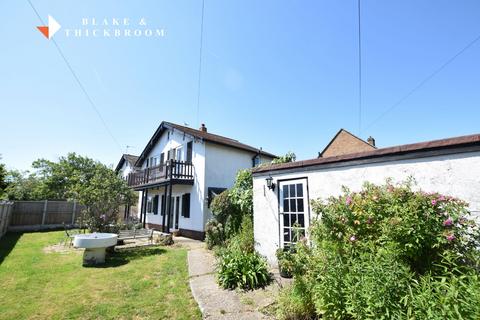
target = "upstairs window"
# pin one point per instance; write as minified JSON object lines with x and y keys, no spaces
{"x":256,"y":160}
{"x":189,"y":151}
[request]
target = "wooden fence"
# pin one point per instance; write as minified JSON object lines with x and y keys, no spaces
{"x":5,"y":212}
{"x":44,"y":213}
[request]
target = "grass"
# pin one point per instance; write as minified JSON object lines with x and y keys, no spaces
{"x":150,"y":283}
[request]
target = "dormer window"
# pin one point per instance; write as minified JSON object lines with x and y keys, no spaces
{"x":256,"y":160}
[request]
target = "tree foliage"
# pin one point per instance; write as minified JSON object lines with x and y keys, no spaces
{"x":3,"y":179}
{"x":23,"y":186}
{"x":89,"y":182}
{"x":232,"y":206}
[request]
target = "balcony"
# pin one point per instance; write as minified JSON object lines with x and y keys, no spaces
{"x":176,"y":172}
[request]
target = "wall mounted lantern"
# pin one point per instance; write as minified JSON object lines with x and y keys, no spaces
{"x":270,"y":183}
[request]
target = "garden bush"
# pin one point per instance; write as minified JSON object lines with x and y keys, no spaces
{"x":239,"y":265}
{"x":388,"y":252}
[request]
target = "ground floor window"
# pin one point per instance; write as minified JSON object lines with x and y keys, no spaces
{"x":294,"y":210}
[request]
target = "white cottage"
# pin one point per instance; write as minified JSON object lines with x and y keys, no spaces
{"x":126,"y":165}
{"x":180,"y":171}
{"x":282,"y":193}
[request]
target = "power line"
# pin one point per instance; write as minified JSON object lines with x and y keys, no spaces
{"x":359,"y":72}
{"x":424,"y":81}
{"x":92,"y":104}
{"x":200,"y":64}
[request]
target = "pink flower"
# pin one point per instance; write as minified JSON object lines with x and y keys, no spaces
{"x":348,"y":201}
{"x":451,"y":237}
{"x":448,"y":222}
{"x":353,"y":238}
{"x":434,"y":202}
{"x":441,"y":198}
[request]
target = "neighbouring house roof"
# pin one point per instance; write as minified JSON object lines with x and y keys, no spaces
{"x":345,"y":142}
{"x":461,"y":144}
{"x":130,"y":158}
{"x":206,"y":136}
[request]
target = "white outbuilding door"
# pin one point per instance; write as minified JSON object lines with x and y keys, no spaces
{"x":294,"y":210}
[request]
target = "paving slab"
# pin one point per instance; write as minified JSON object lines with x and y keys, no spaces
{"x":216,"y":302}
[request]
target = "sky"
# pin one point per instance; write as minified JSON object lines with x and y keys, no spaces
{"x":281,"y":75}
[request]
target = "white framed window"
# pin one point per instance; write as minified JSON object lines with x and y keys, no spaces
{"x":294,"y":213}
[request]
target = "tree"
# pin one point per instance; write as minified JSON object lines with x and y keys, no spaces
{"x":102,"y":192}
{"x":3,"y":179}
{"x":232,"y":206}
{"x":74,"y":177}
{"x":23,"y":186}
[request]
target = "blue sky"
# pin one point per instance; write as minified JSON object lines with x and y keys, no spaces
{"x":282,"y":75}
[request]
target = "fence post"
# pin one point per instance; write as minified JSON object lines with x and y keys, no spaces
{"x":9,"y":215}
{"x":44,"y":212}
{"x":3,"y":215}
{"x":74,"y":209}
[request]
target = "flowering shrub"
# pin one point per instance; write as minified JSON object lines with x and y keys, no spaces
{"x":422,"y":225}
{"x":388,"y":252}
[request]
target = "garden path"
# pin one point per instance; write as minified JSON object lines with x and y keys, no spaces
{"x":215,"y":302}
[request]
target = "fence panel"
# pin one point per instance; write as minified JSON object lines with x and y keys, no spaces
{"x":27,"y":213}
{"x":44,"y":213}
{"x":59,"y":212}
{"x":5,"y":213}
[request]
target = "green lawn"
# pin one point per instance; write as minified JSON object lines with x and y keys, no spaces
{"x":147,"y":283}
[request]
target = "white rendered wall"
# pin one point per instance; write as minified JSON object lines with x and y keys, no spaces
{"x":165,"y":143}
{"x":221,"y":167}
{"x":455,"y":175}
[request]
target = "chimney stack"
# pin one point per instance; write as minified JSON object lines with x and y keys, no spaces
{"x":371,"y":141}
{"x":203,"y":128}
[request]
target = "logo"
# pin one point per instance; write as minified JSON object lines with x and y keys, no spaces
{"x":52,"y":28}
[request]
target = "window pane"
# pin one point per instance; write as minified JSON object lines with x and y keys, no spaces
{"x":292,"y":190}
{"x":299,"y":190}
{"x":300,"y":205}
{"x":301,"y":220}
{"x":293,"y":205}
{"x":293,"y":219}
{"x":286,"y":207}
{"x":285,"y":191}
{"x":286,"y":220}
{"x":286,"y":234}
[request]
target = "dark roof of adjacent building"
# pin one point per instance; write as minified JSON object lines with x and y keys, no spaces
{"x":204,"y":135}
{"x":350,"y":144}
{"x":130,"y":158}
{"x":416,"y":150}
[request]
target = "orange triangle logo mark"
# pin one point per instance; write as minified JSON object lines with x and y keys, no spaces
{"x":44,"y":30}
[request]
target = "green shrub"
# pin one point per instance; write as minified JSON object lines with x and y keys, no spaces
{"x":453,"y":293}
{"x":374,"y":284}
{"x":214,"y":234}
{"x":388,"y":252}
{"x":239,"y":266}
{"x":295,"y":303}
{"x":285,"y":258}
{"x":237,"y":269}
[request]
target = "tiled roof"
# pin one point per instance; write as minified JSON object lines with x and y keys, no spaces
{"x":463,"y":141}
{"x":130,"y":158}
{"x":206,"y":136}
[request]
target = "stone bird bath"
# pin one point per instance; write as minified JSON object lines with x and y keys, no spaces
{"x":95,"y":245}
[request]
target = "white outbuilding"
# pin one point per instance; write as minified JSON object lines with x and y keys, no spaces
{"x":282,"y":192}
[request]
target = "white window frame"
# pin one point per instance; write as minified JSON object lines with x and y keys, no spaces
{"x":290,"y":213}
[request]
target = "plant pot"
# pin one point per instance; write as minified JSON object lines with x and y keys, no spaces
{"x":284,"y":273}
